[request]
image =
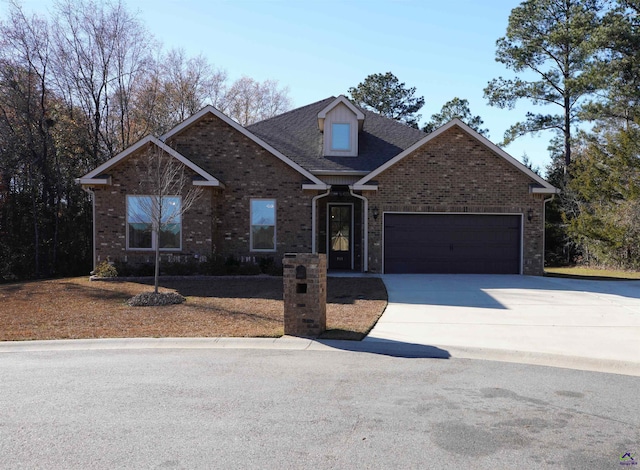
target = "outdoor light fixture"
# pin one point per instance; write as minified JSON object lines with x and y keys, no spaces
{"x":375,"y":212}
{"x":530,"y":215}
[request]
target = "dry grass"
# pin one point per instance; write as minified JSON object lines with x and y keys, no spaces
{"x":592,"y":273}
{"x":248,"y":307}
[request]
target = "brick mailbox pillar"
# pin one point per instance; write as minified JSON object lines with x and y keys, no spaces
{"x":305,"y":294}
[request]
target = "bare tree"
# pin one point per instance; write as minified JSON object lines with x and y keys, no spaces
{"x":132,"y":62}
{"x":273,"y":100}
{"x":248,"y":101}
{"x":185,"y":83}
{"x":76,"y":88}
{"x":101,"y":50}
{"x":176,"y":88}
{"x":168,"y":193}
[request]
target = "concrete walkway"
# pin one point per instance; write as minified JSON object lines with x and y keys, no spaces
{"x":582,"y":324}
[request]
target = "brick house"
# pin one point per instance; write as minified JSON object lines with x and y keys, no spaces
{"x":373,"y":194}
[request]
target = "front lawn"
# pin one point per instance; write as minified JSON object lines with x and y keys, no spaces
{"x":591,"y":273}
{"x":241,"y":307}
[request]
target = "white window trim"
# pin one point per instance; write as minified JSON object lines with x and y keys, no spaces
{"x":333,"y":149}
{"x":154,"y":235}
{"x":275,"y":226}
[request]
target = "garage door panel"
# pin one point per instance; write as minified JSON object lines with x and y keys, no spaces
{"x":452,"y":243}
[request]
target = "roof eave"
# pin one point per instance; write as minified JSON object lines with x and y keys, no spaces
{"x":339,"y":172}
{"x":207,"y":183}
{"x":316,"y":187}
{"x":122,"y":155}
{"x":551,"y":190}
{"x":364,"y":187}
{"x":94,"y":181}
{"x":93,"y":177}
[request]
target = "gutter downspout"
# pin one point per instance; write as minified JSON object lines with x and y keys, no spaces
{"x":93,"y":222}
{"x":314,"y":200}
{"x":365,"y":264}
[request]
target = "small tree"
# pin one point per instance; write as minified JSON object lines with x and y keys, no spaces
{"x":168,"y":195}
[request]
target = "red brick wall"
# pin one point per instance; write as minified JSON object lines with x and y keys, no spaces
{"x":110,"y":207}
{"x":219,"y":222}
{"x":452,"y":173}
{"x":456,"y":173}
{"x":247,"y":171}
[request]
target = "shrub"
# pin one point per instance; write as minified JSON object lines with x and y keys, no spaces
{"x":268,"y":266}
{"x":135,"y":270}
{"x":178,"y":268}
{"x":106,"y":269}
{"x":214,"y":266}
{"x":248,"y":269}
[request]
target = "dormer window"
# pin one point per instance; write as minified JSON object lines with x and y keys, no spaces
{"x":341,"y":137}
{"x":340,"y":122}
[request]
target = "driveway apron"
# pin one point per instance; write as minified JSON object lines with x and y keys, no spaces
{"x":598,"y":320}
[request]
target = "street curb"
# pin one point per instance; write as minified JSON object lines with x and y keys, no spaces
{"x":383,"y":347}
{"x":589,"y":364}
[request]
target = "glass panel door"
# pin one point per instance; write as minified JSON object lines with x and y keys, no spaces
{"x":340,"y":238}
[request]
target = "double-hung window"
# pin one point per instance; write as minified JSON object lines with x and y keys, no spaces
{"x":263,"y":224}
{"x":142,"y":211}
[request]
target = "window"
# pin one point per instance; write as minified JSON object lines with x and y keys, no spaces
{"x":141,"y":211}
{"x":341,"y":137}
{"x":263,"y":225}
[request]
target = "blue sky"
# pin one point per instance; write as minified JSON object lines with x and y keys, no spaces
{"x":321,"y":48}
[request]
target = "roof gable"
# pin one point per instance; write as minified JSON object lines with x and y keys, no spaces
{"x":545,"y":186}
{"x":340,"y":100}
{"x":212,"y":110}
{"x":93,"y":176}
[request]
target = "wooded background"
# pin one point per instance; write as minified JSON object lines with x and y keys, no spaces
{"x":81,"y":85}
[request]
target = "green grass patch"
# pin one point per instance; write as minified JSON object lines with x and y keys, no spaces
{"x":593,"y":273}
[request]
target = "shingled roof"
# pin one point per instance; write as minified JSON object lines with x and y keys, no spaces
{"x":296,"y":135}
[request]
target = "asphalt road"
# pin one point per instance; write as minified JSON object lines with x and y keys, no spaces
{"x":247,"y":408}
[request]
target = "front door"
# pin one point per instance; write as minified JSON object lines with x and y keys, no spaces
{"x":340,"y":236}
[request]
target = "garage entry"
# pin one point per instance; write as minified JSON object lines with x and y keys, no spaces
{"x":452,"y":243}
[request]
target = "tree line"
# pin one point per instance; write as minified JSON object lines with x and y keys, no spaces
{"x":579,"y":59}
{"x":584,"y":57}
{"x":76,"y":88}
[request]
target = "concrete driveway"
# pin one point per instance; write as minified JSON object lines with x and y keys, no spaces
{"x":531,"y":319}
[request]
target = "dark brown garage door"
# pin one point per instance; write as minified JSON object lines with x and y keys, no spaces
{"x":452,"y":243}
